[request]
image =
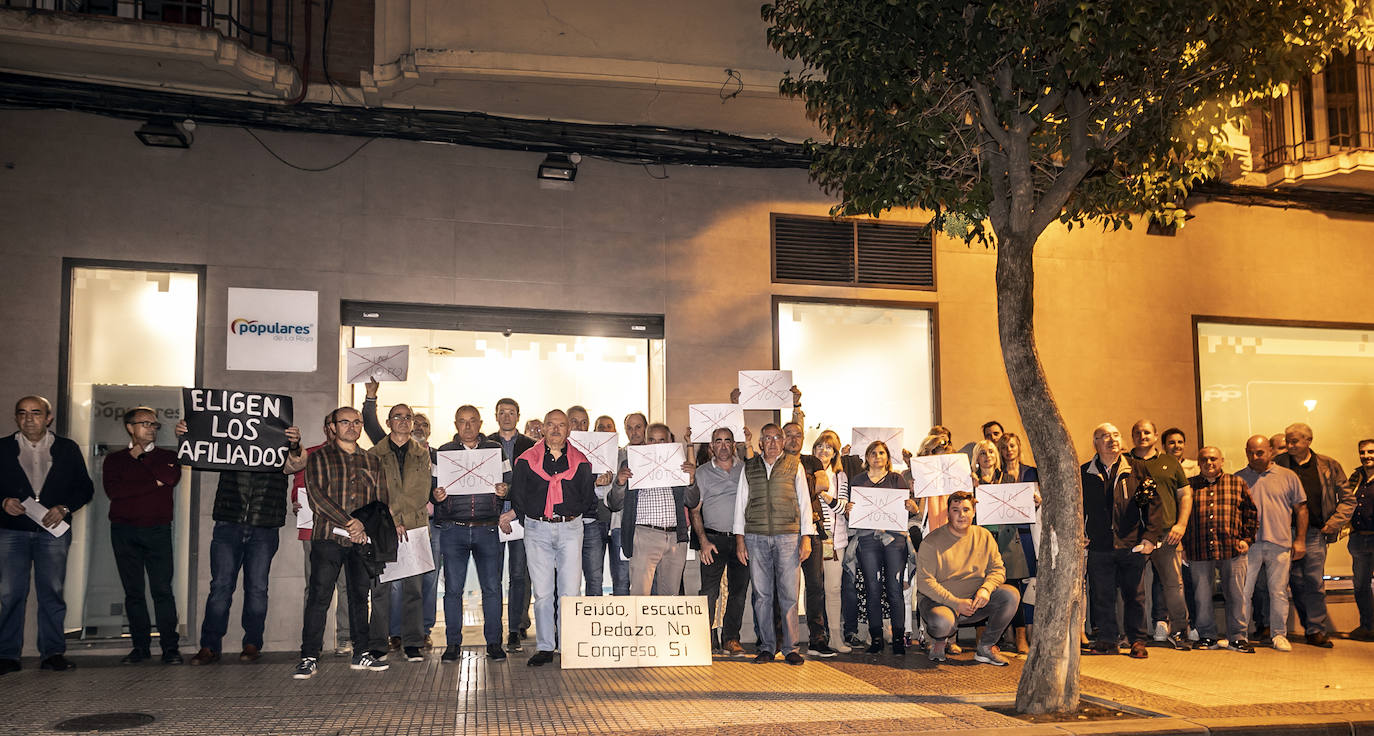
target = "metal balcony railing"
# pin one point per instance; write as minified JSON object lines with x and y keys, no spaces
{"x":1326,"y":114}
{"x":265,"y":26}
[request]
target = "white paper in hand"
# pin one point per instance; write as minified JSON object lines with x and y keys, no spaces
{"x":862,"y":437}
{"x":391,"y":363}
{"x":413,"y":557}
{"x":656,"y":466}
{"x":940,"y":475}
{"x":517,"y":531}
{"x":878,"y":508}
{"x":468,"y":472}
{"x":36,"y":511}
{"x":704,"y":419}
{"x":765,"y":390}
{"x":305,"y":518}
{"x":600,"y":448}
{"x":1006,"y":503}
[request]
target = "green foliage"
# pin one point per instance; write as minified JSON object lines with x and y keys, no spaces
{"x":1022,"y":112}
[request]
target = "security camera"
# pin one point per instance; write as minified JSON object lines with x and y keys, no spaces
{"x":506,"y":332}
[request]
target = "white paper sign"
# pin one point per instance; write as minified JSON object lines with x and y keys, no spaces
{"x":940,"y":475}
{"x":36,"y":511}
{"x":305,"y":518}
{"x":767,"y":390}
{"x":466,"y":472}
{"x":413,"y":556}
{"x":517,"y":531}
{"x":272,"y":330}
{"x":878,"y":508}
{"x":391,"y":363}
{"x":1006,"y":503}
{"x":601,"y":449}
{"x":656,"y":466}
{"x":704,"y":419}
{"x":862,"y":437}
{"x":634,"y":631}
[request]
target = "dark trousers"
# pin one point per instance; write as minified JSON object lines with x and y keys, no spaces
{"x":327,"y":559}
{"x":1112,"y":573}
{"x":518,"y":599}
{"x":883,"y":565}
{"x":595,"y":537}
{"x":235,"y":547}
{"x":140,"y":550}
{"x":726,"y":564}
{"x":813,"y":572}
{"x":411,"y":613}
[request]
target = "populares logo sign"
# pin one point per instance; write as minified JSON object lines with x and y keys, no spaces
{"x":243,"y":326}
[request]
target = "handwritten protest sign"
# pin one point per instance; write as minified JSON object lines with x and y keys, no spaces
{"x":862,"y":437}
{"x":1006,"y":503}
{"x":466,"y":472}
{"x":656,"y":466}
{"x":634,"y":631}
{"x":234,"y":430}
{"x":766,"y":390}
{"x":414,"y":557}
{"x":599,"y":447}
{"x":391,"y":363}
{"x":878,"y":508}
{"x":704,"y":419}
{"x":940,"y":475}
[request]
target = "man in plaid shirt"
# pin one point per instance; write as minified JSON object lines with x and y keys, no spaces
{"x":1220,"y":530}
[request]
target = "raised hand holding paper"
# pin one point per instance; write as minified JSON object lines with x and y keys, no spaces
{"x":467,"y":472}
{"x":862,"y":437}
{"x":765,"y":390}
{"x":656,"y":466}
{"x":940,"y":475}
{"x":707,"y":418}
{"x":599,"y":447}
{"x":878,"y":508}
{"x":391,"y":363}
{"x":1006,"y":503}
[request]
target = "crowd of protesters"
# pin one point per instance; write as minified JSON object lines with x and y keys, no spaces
{"x":766,"y":519}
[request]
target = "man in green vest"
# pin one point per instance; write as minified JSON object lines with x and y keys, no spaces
{"x":773,"y":529}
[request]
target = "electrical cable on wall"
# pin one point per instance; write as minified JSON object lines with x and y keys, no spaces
{"x":340,"y":162}
{"x":731,"y":75}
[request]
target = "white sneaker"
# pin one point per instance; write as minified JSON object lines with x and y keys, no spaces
{"x":1161,"y":631}
{"x":306,"y":669}
{"x":1280,"y":644}
{"x":1193,"y":635}
{"x":841,"y":647}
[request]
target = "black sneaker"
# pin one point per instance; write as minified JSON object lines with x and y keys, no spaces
{"x":413,"y":655}
{"x":494,"y":651}
{"x":763,"y":658}
{"x":172,"y":656}
{"x":1205,"y":643}
{"x":513,"y":643}
{"x":306,"y":669}
{"x":793,"y":658}
{"x":877,"y":646}
{"x":136,"y":656}
{"x":57,"y":663}
{"x":366,"y":661}
{"x":540,"y":659}
{"x":1178,"y":641}
{"x":1240,"y":645}
{"x":899,"y":645}
{"x":854,"y":641}
{"x":821,"y":650}
{"x":450,"y":654}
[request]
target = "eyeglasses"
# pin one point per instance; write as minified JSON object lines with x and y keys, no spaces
{"x":349,"y":422}
{"x":402,"y":418}
{"x":146,"y":423}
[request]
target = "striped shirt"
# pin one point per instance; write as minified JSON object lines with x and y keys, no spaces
{"x":1223,"y":514}
{"x":339,"y":483}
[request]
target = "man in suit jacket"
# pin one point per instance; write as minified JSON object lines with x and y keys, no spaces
{"x":42,"y":474}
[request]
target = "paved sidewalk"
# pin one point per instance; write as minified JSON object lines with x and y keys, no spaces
{"x":851,"y":694}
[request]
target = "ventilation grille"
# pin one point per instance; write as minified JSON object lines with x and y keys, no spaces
{"x":822,"y":250}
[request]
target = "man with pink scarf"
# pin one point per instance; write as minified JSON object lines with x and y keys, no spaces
{"x":552,"y":486}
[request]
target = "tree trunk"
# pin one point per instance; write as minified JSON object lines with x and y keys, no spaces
{"x":1049,"y":681}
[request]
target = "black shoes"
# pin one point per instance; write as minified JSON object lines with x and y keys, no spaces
{"x":1179,"y":641}
{"x":9,"y":665}
{"x":540,"y":659}
{"x":763,"y":658}
{"x":794,"y":658}
{"x":1240,"y":645}
{"x":451,"y":654}
{"x":513,"y":643}
{"x":172,"y":656}
{"x":56,"y":663}
{"x":494,"y":651}
{"x":1320,"y":639}
{"x":413,"y":654}
{"x":876,"y":647}
{"x":136,"y":656}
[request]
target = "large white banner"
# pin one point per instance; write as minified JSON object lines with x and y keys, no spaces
{"x":634,"y":631}
{"x":272,"y":330}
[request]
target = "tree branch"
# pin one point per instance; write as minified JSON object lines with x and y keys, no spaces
{"x":1052,"y":202}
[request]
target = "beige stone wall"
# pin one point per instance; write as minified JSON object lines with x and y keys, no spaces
{"x":452,"y":225}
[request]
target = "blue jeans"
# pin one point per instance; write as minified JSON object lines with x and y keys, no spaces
{"x":48,"y":556}
{"x":886,"y":563}
{"x":775,"y":560}
{"x":483,"y":545}
{"x":620,"y":567}
{"x":594,"y":540}
{"x":1232,"y":587}
{"x":1275,"y":561}
{"x":1361,"y":567}
{"x":234,"y":547}
{"x":1306,"y":576}
{"x":554,"y":552}
{"x":849,"y":592}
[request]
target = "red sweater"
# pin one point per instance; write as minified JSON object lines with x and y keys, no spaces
{"x":140,"y":489}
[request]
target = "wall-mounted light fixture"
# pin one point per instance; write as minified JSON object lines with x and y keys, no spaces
{"x":559,"y":167}
{"x":165,"y":133}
